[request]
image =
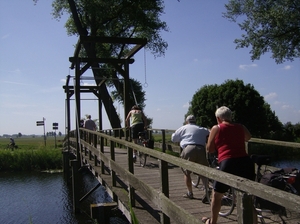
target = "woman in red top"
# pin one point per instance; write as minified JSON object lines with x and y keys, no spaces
{"x":228,"y":139}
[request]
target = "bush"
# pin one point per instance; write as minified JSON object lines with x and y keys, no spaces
{"x":29,"y":160}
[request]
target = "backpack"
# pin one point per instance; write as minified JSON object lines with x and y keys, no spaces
{"x":295,"y":173}
{"x":296,"y":184}
{"x":275,"y":180}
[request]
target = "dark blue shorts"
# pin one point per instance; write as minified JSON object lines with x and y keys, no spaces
{"x":135,"y":129}
{"x":243,"y":167}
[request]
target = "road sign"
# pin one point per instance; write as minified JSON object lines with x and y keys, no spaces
{"x":39,"y":123}
{"x":55,"y":126}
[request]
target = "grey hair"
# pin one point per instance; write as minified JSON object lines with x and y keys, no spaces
{"x":224,"y":113}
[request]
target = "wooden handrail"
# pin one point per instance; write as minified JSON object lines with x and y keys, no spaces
{"x":243,"y":185}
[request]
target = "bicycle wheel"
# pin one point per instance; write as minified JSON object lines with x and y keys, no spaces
{"x":195,"y":179}
{"x":227,"y":203}
{"x":142,"y":159}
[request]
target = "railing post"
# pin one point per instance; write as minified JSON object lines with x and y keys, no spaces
{"x":78,"y":150}
{"x":95,"y":140}
{"x":163,"y":132}
{"x":164,"y":178}
{"x":131,"y":170}
{"x":244,"y":207}
{"x":75,"y":190}
{"x":113,"y":173}
{"x":106,"y":138}
{"x":66,"y":164}
{"x":102,"y":151}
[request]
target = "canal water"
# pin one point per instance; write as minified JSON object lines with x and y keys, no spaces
{"x":34,"y":198}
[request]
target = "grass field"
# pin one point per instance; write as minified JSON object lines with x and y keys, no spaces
{"x":31,"y":154}
{"x":30,"y":143}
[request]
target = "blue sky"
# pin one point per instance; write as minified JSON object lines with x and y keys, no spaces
{"x":34,"y":63}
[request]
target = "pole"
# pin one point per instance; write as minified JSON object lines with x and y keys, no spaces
{"x":55,"y":138}
{"x":44,"y":131}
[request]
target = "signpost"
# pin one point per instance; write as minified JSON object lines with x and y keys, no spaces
{"x":55,"y":127}
{"x":42,"y":123}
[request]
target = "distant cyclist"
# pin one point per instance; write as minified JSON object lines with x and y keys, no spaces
{"x":12,"y":142}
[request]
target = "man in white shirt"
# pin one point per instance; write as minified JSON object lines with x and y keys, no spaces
{"x":192,"y":140}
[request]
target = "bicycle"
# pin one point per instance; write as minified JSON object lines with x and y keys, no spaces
{"x":262,"y":206}
{"x":282,"y":179}
{"x":196,"y":181}
{"x":11,"y":147}
{"x":142,"y":141}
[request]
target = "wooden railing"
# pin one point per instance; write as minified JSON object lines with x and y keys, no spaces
{"x":244,"y":187}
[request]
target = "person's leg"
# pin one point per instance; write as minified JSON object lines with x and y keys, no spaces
{"x":204,"y":181}
{"x":188,"y":182}
{"x":215,"y":206}
{"x":135,"y":141}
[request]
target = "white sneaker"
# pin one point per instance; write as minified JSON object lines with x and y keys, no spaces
{"x":134,"y":158}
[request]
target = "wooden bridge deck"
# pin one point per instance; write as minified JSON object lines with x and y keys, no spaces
{"x":150,"y":175}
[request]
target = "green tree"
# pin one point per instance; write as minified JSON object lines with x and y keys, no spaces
{"x":248,"y":107}
{"x":270,"y":26}
{"x":114,"y":18}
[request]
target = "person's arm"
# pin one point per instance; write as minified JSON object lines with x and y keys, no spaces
{"x":247,"y":134}
{"x":210,"y":146}
{"x":145,"y":120}
{"x":176,"y":136}
{"x":128,"y":119}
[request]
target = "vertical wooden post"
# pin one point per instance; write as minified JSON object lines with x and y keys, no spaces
{"x":244,"y":207}
{"x":131,"y":170}
{"x":95,"y":142}
{"x":66,"y":165}
{"x":100,"y":111}
{"x":102,"y":151}
{"x":164,"y":178}
{"x":113,"y":173}
{"x":78,"y":114}
{"x":126,"y":95}
{"x":74,"y":164}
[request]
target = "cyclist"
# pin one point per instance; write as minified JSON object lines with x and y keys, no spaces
{"x":228,"y":139}
{"x":192,"y":140}
{"x":12,"y":143}
{"x":138,"y":124}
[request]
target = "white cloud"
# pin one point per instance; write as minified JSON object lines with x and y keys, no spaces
{"x":277,"y":103}
{"x":18,"y":83}
{"x":286,"y":107}
{"x":186,"y":105}
{"x":5,"y":36}
{"x":270,"y":96}
{"x":245,"y":67}
{"x":287,"y":67}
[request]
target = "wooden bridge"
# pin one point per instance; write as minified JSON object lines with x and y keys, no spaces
{"x":154,"y":193}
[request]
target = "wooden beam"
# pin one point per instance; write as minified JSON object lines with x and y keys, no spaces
{"x":113,"y":40}
{"x":101,"y":60}
{"x":134,"y":50}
